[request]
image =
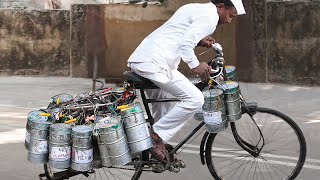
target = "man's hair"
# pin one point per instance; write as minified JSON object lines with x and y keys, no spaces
{"x":227,"y":3}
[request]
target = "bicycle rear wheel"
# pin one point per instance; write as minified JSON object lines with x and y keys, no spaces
{"x":282,"y":156}
{"x":126,"y":172}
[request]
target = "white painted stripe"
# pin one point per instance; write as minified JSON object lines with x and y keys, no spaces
{"x":14,"y":136}
{"x":18,"y":135}
{"x":6,"y":106}
{"x":285,"y":163}
{"x":19,"y":115}
{"x":13,"y":116}
{"x":244,"y":152}
{"x":215,"y":154}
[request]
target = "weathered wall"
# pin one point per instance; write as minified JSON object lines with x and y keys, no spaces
{"x":66,"y":4}
{"x":124,"y":27}
{"x":34,"y":42}
{"x":87,"y":40}
{"x":251,"y":46}
{"x":270,"y":43}
{"x":293,"y":42}
{"x":279,"y":42}
{"x":29,"y":4}
{"x":124,"y":33}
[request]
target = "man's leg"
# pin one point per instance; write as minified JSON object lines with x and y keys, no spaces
{"x":174,"y":84}
{"x":191,"y":101}
{"x":150,"y":71}
{"x":158,"y":109}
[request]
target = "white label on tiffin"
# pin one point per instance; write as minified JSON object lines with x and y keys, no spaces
{"x":60,"y":153}
{"x":40,"y":147}
{"x":84,"y":156}
{"x":27,"y":137}
{"x":212,"y":118}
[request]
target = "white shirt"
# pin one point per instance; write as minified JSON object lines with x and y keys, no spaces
{"x":177,"y":38}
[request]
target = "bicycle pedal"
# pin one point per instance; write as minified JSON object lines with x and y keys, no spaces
{"x":181,"y":164}
{"x":173,"y":169}
{"x":158,"y":168}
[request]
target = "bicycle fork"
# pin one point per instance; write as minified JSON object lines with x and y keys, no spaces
{"x":250,"y":109}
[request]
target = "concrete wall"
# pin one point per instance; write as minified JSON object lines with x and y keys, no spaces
{"x":125,"y":26}
{"x":251,"y":46}
{"x":293,"y":42}
{"x":29,"y":4}
{"x":34,"y":42}
{"x":279,"y":42}
{"x":87,"y":40}
{"x":66,"y":4}
{"x":270,"y":43}
{"x":124,"y":32}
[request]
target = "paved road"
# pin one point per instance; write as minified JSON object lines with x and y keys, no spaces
{"x":20,"y":95}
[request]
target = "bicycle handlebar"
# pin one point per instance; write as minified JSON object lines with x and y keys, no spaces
{"x":217,"y":63}
{"x":218,"y":48}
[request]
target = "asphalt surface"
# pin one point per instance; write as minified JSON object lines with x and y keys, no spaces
{"x":20,"y":95}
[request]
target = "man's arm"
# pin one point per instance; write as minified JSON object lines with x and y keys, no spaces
{"x":201,"y":26}
{"x":199,"y":30}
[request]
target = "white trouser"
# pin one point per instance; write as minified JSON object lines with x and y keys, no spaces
{"x":170,"y":121}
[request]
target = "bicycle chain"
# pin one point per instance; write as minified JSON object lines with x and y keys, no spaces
{"x":128,"y":168}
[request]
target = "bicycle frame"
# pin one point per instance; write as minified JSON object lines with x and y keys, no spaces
{"x":150,"y":118}
{"x":253,"y":150}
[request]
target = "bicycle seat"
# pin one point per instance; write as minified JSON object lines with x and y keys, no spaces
{"x":139,"y":82}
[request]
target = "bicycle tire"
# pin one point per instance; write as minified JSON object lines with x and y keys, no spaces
{"x":99,"y":173}
{"x":264,"y":111}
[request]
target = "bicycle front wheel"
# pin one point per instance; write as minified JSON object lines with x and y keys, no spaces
{"x":282,"y":156}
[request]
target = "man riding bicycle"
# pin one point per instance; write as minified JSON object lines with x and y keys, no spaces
{"x":159,"y":54}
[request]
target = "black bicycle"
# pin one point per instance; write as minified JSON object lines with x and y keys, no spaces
{"x":250,"y":148}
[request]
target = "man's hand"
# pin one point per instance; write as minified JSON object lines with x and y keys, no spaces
{"x":203,"y":71}
{"x":206,"y":42}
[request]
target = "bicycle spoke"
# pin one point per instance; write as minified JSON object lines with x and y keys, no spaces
{"x":282,"y":140}
{"x":227,"y":137}
{"x":125,"y":172}
{"x":269,"y":172}
{"x":277,"y":148}
{"x":256,"y":170}
{"x":249,"y":170}
{"x":260,"y":172}
{"x":232,"y":151}
{"x":106,"y":172}
{"x":237,"y":160}
{"x":99,"y":174}
{"x":244,"y":167}
{"x":115,"y":176}
{"x":81,"y":177}
{"x":273,"y":169}
{"x":90,"y":176}
{"x":239,"y":167}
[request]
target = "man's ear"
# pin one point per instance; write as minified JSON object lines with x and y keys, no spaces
{"x":220,"y":6}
